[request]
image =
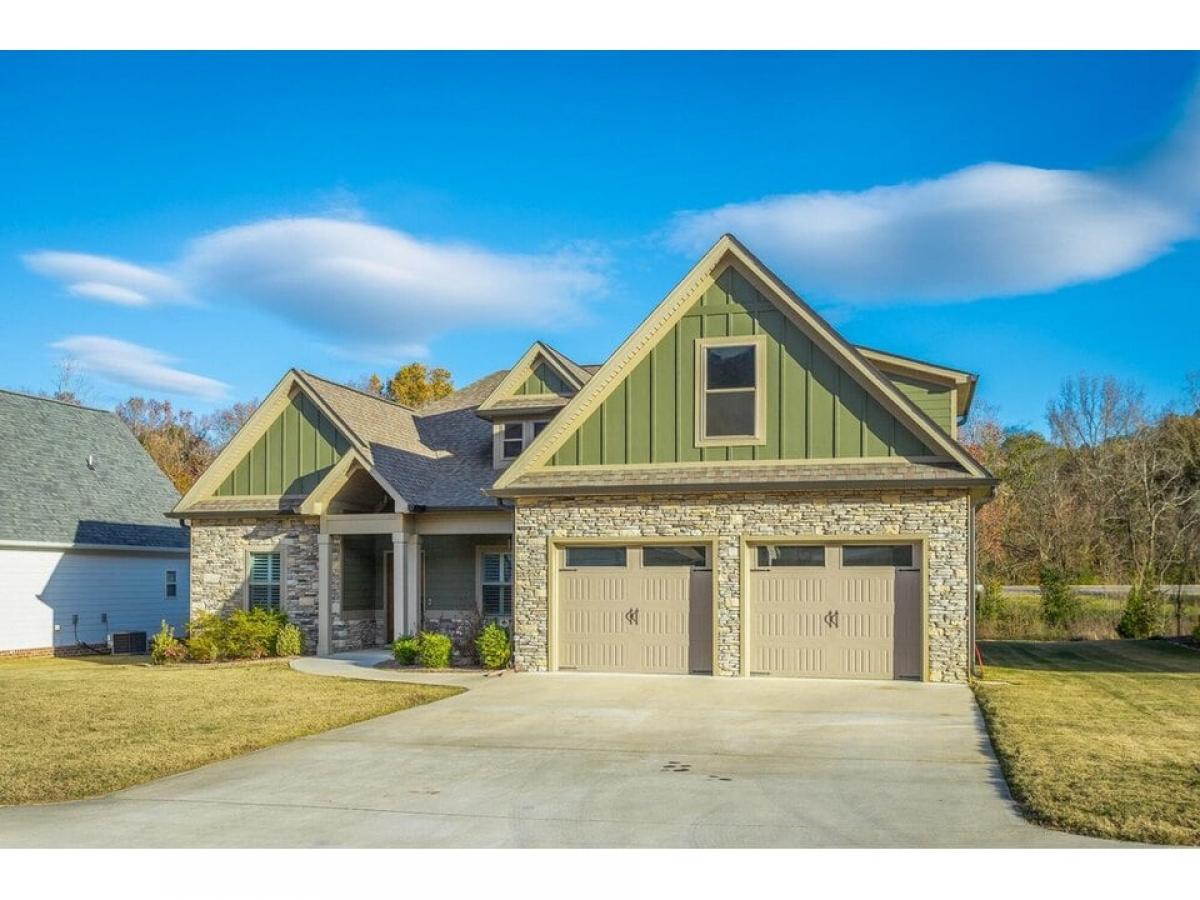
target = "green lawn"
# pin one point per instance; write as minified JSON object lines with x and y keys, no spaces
{"x":1099,"y":737}
{"x":1020,"y":619}
{"x":79,"y":727}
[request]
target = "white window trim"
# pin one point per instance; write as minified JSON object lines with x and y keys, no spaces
{"x":479,"y":553}
{"x":499,"y":460}
{"x":279,"y":547}
{"x":759,"y":341}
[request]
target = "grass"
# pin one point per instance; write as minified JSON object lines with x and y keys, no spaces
{"x":80,"y":727}
{"x":1099,"y":737}
{"x":1020,"y":619}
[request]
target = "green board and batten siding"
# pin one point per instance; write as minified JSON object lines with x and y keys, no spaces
{"x":935,"y":400}
{"x":815,"y":410}
{"x":544,"y":380}
{"x":291,"y":457}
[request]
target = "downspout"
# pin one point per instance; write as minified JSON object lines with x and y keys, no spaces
{"x":972,"y":589}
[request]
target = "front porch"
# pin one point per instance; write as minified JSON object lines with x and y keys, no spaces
{"x":383,"y":575}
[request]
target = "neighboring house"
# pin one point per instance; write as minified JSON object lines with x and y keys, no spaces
{"x":86,"y":548}
{"x":737,"y":490}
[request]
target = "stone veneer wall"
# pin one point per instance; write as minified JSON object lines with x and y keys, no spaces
{"x":218,"y":569}
{"x":940,"y":514}
{"x":218,"y":576}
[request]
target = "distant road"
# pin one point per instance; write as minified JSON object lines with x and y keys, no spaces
{"x":1104,"y":590}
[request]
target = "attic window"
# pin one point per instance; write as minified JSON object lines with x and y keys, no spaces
{"x":731,"y":389}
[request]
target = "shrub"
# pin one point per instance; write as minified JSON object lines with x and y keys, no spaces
{"x":990,"y":605}
{"x":493,"y":646}
{"x":289,"y":641}
{"x":165,"y":648}
{"x":1143,"y":614}
{"x":433,"y":650}
{"x":405,"y":649}
{"x":1060,"y":604}
{"x":1196,"y":632}
{"x":205,"y":637}
{"x":251,"y":635}
{"x":244,"y":635}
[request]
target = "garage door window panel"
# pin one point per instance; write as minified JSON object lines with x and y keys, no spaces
{"x":887,"y":555}
{"x":695,"y":556}
{"x":596,"y":557}
{"x":789,"y":556}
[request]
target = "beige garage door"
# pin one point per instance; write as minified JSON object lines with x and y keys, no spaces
{"x":835,"y":610}
{"x":635,"y":609}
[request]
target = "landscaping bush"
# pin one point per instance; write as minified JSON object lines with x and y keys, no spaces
{"x":289,"y":641}
{"x":251,"y":635}
{"x":493,"y":646}
{"x":405,"y":649}
{"x":433,"y":650}
{"x":990,"y":605}
{"x":1143,"y":614}
{"x":205,"y":637}
{"x":1196,"y":633}
{"x":1060,"y":604}
{"x":243,"y":635}
{"x":165,"y":648}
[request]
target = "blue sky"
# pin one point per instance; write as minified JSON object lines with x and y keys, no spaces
{"x":190,"y":226}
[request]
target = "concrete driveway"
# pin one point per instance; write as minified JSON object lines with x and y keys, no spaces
{"x":572,"y":760}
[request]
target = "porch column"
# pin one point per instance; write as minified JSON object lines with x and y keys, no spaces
{"x":412,"y":571}
{"x":324,"y":621}
{"x":400,"y":621}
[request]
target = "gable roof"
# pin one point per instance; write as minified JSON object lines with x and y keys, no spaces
{"x":728,"y":250}
{"x":504,"y":398}
{"x":893,"y":363}
{"x":438,"y":456}
{"x":49,"y":494}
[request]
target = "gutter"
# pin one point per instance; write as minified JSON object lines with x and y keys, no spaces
{"x":114,"y":548}
{"x":738,"y":487}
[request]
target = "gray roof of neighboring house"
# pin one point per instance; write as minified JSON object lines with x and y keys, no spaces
{"x":49,"y":494}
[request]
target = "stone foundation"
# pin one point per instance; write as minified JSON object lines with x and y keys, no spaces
{"x":940,"y":515}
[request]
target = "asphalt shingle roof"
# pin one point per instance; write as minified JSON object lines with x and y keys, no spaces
{"x":437,"y":456}
{"x":802,"y":476}
{"x":49,"y":494}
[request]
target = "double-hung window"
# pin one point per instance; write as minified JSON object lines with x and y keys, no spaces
{"x":265,"y":583}
{"x":495,"y":582}
{"x":731,"y":391}
{"x":172,"y":584}
{"x":516,"y":436}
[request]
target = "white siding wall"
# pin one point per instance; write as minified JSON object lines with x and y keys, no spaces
{"x":43,"y":588}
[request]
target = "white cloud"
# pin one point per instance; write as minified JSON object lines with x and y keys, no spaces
{"x":105,"y":278}
{"x":378,"y":287}
{"x":363,"y":287}
{"x":136,"y":366}
{"x":992,"y":229}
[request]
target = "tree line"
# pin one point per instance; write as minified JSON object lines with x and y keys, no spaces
{"x":1111,"y":494}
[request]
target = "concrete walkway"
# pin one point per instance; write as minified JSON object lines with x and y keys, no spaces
{"x":575,"y":760}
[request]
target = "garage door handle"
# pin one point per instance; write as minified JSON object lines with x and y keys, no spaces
{"x":831,"y":618}
{"x":632,"y":616}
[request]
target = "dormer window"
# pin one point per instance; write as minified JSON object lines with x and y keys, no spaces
{"x":514,"y":440}
{"x":513,"y":437}
{"x":730,"y":391}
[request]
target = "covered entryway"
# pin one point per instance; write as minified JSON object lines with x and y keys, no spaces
{"x":643,"y":608}
{"x":835,"y":610}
